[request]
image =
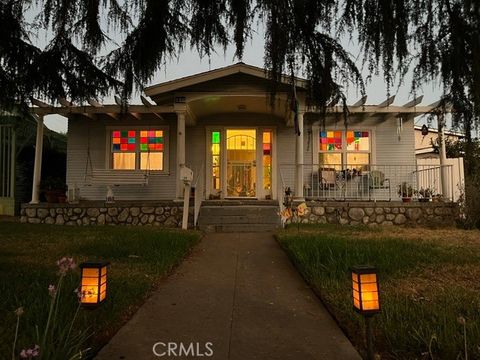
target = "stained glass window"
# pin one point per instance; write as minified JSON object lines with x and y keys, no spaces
{"x":132,"y":149}
{"x":358,"y":141}
{"x":124,"y":140}
{"x":267,"y":160}
{"x":330,"y":140}
{"x":216,"y":160}
{"x":151,"y":140}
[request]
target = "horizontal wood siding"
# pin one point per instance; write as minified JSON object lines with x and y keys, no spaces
{"x":82,"y":132}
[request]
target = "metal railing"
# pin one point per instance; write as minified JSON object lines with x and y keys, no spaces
{"x":371,"y":182}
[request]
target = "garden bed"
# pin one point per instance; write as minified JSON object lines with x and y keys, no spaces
{"x":429,"y":283}
{"x":140,"y":258}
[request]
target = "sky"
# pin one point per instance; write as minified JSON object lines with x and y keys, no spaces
{"x":190,"y":62}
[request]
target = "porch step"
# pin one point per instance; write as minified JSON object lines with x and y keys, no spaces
{"x":239,"y":218}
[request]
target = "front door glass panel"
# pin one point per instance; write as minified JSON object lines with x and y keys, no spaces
{"x":241,"y":163}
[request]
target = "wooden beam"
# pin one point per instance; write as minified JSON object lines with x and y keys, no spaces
{"x":387,"y":102}
{"x":149,"y":104}
{"x":94,"y":103}
{"x":40,"y":104}
{"x":361,"y":102}
{"x":105,"y":109}
{"x":64,"y":102}
{"x":414,"y":102}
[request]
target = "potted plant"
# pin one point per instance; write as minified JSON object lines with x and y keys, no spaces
{"x":54,"y":189}
{"x":405,"y":191}
{"x":425,"y":195}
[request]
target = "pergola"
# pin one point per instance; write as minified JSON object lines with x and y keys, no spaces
{"x":359,"y":111}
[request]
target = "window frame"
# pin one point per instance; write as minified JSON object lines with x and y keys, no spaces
{"x":316,"y":129}
{"x":137,"y":128}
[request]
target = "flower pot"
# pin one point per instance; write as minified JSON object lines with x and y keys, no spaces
{"x":406,"y":199}
{"x":51,"y":196}
{"x":424,"y":200}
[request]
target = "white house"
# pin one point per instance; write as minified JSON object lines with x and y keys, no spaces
{"x":223,"y":125}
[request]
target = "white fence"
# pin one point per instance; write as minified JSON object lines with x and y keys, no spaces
{"x":371,"y":182}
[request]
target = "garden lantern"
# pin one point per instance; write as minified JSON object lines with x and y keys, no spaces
{"x":365,"y":298}
{"x":94,"y":283}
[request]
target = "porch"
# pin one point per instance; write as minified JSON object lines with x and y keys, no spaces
{"x":371,"y":182}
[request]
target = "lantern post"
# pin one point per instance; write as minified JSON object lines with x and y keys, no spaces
{"x":93,"y":285}
{"x":366,"y":300}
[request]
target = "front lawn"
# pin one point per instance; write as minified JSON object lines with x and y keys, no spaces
{"x":429,"y":283}
{"x":140,"y":257}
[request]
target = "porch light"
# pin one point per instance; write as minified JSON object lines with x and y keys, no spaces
{"x":93,"y":283}
{"x":365,"y":299}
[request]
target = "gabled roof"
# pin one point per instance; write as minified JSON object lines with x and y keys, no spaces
{"x":238,"y":68}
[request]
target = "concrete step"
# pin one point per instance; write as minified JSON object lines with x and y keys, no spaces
{"x":239,"y":228}
{"x":239,"y":218}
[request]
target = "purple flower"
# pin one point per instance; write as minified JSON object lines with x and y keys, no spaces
{"x":19,"y":312}
{"x":52,"y":291}
{"x":65,"y":264}
{"x":30,"y":353}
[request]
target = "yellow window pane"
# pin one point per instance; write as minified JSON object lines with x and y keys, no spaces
{"x":159,"y":133}
{"x":330,"y":160}
{"x":124,"y":161}
{"x":216,"y":149}
{"x":151,"y":161}
{"x":358,"y":159}
{"x":267,"y":138}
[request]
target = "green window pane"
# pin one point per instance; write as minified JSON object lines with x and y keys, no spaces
{"x":216,"y":137}
{"x":124,"y":133}
{"x":144,"y":147}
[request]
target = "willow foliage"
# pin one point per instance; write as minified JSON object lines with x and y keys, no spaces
{"x":439,"y":39}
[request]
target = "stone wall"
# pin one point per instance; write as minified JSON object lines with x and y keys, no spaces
{"x":382,"y":213}
{"x":168,"y":214}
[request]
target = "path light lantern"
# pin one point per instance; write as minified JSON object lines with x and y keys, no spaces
{"x":366,"y":298}
{"x":93,"y":286}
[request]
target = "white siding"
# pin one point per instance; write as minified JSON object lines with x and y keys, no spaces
{"x":83,"y":133}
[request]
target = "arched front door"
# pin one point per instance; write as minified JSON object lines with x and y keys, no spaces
{"x":240,"y":162}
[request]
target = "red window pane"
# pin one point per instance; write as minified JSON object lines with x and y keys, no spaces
{"x":143,"y":140}
{"x":131,"y":134}
{"x":116,"y":134}
{"x":131,"y":147}
{"x":124,"y":147}
{"x":124,"y":140}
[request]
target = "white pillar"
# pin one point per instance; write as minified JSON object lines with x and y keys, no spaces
{"x":180,"y":151}
{"x":443,"y":154}
{"x":299,"y":160}
{"x":37,"y":169}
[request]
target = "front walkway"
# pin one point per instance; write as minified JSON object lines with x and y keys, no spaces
{"x":241,"y":293}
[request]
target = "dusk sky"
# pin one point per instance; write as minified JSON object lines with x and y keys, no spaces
{"x":190,"y":63}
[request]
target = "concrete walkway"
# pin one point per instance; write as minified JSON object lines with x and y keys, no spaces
{"x":241,"y":293}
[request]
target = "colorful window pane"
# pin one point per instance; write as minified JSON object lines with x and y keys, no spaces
{"x":358,"y":141}
{"x":124,"y":140}
{"x":216,"y":174}
{"x":215,"y":137}
{"x":267,"y":160}
{"x":330,"y":140}
{"x":151,"y":140}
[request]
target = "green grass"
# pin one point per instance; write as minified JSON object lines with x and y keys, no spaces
{"x":428,"y":280}
{"x":140,"y":257}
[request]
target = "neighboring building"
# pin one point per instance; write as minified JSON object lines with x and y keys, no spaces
{"x":423,"y":143}
{"x":427,"y":155}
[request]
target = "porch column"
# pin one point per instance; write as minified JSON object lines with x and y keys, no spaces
{"x":37,"y":169}
{"x":443,"y":154}
{"x":299,"y":159}
{"x":180,"y":150}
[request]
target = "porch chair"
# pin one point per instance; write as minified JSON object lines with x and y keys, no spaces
{"x":377,"y":181}
{"x":327,"y":178}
